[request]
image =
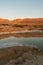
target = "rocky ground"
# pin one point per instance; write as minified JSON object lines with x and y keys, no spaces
{"x":21,"y":56}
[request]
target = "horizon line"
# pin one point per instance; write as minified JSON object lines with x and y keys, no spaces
{"x":20,"y":18}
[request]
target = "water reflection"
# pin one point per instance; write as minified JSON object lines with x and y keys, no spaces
{"x":12,"y":41}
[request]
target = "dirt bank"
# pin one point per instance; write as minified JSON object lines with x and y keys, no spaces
{"x":21,"y":56}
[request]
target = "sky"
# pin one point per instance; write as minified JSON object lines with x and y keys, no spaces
{"x":13,"y":9}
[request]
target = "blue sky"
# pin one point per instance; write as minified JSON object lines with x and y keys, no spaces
{"x":12,"y":9}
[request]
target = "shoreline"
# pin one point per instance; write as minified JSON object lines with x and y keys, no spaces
{"x":11,"y":32}
{"x":19,"y":35}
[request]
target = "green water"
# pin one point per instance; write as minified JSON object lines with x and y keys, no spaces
{"x":12,"y":41}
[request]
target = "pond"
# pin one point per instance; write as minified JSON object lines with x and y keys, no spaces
{"x":13,"y":41}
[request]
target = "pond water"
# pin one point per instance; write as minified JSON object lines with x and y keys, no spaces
{"x":13,"y":41}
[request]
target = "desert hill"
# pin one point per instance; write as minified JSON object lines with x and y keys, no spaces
{"x":26,"y":24}
{"x":4,"y":21}
{"x":28,"y":21}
